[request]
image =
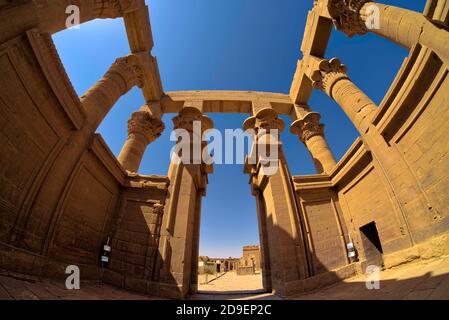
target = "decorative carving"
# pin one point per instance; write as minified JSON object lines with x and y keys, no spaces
{"x":113,"y":8}
{"x":346,"y":16}
{"x":307,"y":127}
{"x":46,"y":37}
{"x":54,"y":70}
{"x":265,"y":119}
{"x":158,"y":209}
{"x":128,"y":70}
{"x":188,"y":115}
{"x":327,"y":73}
{"x":143,"y":123}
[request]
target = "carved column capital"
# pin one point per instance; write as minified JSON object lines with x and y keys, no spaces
{"x":307,"y":127}
{"x":143,"y":128}
{"x":129,"y":70}
{"x":141,"y":122}
{"x":266,"y":119}
{"x":186,"y":118}
{"x":326,"y":73}
{"x":346,"y":16}
{"x":311,"y":132}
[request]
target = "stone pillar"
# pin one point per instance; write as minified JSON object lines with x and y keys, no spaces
{"x":311,"y":133}
{"x":143,"y":129}
{"x":282,"y":239}
{"x":179,"y":244}
{"x":402,"y":26}
{"x":330,"y":76}
{"x":124,"y":74}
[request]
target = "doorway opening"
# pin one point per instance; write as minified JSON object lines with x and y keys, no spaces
{"x":371,"y":244}
{"x":229,"y":259}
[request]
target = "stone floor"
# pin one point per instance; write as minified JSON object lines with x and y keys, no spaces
{"x":203,"y":278}
{"x":20,"y":287}
{"x":427,"y":279}
{"x":231,"y":286}
{"x":420,"y":280}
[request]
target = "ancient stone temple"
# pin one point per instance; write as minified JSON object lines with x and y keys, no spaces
{"x":63,"y":194}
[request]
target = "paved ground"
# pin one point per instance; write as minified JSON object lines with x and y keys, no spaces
{"x":231,"y":286}
{"x":428,"y":279}
{"x":20,"y":287}
{"x":418,"y":280}
{"x":209,"y":277}
{"x":231,"y":282}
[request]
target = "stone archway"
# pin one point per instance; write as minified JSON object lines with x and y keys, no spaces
{"x":282,"y":237}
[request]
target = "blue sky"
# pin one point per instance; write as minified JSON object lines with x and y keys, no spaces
{"x":229,"y":45}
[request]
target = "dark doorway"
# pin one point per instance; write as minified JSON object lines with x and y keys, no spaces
{"x":371,"y":244}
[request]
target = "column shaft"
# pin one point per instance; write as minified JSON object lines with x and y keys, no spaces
{"x":330,"y":76}
{"x":179,"y":244}
{"x":311,"y":133}
{"x":357,"y":105}
{"x":101,"y":97}
{"x":282,"y":234}
{"x":407,"y":28}
{"x":323,"y":158}
{"x":404,"y":27}
{"x":132,"y":152}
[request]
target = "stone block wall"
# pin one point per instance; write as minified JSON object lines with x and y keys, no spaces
{"x":412,"y":119}
{"x":323,"y":222}
{"x":88,"y":208}
{"x":137,"y":228}
{"x":34,"y":128}
{"x":366,"y":197}
{"x":419,"y":130}
{"x":62,"y":191}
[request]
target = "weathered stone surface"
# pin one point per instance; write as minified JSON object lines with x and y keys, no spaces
{"x":63,"y":194}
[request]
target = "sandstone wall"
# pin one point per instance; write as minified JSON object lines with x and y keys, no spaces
{"x":62,"y":191}
{"x":137,"y":230}
{"x":323,"y":222}
{"x":412,"y":118}
{"x":416,"y":125}
{"x":88,"y":208}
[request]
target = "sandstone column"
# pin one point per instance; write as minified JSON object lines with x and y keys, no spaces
{"x":401,"y":26}
{"x":178,"y":249}
{"x":311,"y":133}
{"x":282,"y":238}
{"x":123,"y":74}
{"x":330,"y":76}
{"x":143,"y":128}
